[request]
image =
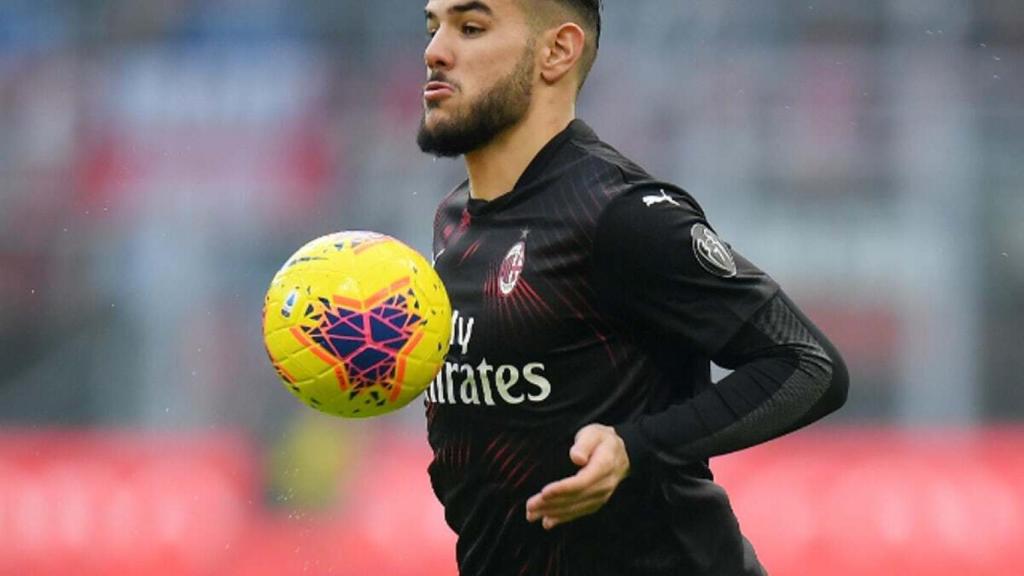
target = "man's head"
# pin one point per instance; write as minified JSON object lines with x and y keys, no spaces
{"x":489,"y":61}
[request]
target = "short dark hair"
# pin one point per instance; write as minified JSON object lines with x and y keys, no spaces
{"x":590,"y":10}
{"x":589,"y":13}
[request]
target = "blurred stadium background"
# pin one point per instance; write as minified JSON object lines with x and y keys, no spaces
{"x":160,"y":159}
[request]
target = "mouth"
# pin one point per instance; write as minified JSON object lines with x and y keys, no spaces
{"x":434,"y":92}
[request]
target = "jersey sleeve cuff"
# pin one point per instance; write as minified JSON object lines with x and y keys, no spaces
{"x":638,"y":449}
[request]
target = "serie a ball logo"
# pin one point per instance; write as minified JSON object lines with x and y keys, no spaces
{"x":356,"y":324}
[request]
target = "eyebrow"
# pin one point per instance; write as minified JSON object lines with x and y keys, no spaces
{"x":472,"y":6}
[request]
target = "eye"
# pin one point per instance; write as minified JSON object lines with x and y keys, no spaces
{"x":431,"y":32}
{"x":471,"y":30}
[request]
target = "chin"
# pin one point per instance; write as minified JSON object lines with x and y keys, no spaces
{"x":430,"y":124}
{"x":435,"y":117}
{"x":439,"y":107}
{"x":430,"y":114}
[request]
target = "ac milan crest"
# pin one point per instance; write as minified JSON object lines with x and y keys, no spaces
{"x":512,"y":268}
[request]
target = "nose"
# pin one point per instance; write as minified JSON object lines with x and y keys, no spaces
{"x":437,"y":55}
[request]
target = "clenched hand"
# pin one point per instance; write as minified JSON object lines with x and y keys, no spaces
{"x":601,"y":455}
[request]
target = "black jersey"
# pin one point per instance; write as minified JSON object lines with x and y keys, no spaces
{"x":594,"y":293}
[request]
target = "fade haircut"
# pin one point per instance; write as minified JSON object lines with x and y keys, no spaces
{"x":585,"y":13}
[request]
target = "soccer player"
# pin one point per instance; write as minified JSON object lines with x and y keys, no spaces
{"x":575,"y":415}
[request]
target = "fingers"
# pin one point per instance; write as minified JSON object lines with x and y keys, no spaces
{"x":587,"y":440}
{"x":542,"y":504}
{"x":586,"y":478}
{"x":603,"y":462}
{"x":563,"y":498}
{"x":566,"y":495}
{"x":572,"y":511}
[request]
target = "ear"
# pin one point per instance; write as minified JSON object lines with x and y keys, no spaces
{"x":563,"y":47}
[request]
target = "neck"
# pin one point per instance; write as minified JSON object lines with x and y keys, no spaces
{"x":494,"y":169}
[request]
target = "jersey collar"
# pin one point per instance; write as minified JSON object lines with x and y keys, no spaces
{"x":536,"y":171}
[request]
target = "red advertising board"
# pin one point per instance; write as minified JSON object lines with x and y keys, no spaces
{"x":121,"y":503}
{"x":883,"y":502}
{"x":837,"y":502}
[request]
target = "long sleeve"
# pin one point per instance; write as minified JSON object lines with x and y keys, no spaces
{"x":785,"y":375}
{"x":663,"y":273}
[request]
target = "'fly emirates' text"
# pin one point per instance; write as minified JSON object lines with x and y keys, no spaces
{"x":485,"y":383}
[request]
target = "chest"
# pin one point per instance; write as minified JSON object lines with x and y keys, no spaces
{"x":519,"y":283}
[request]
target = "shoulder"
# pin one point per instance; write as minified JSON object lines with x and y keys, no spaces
{"x":456,"y":197}
{"x":626,"y":186}
{"x":591,"y":170}
{"x":652,"y":201}
{"x":449,"y":214}
{"x":657,"y":263}
{"x":452,"y":202}
{"x":654,"y":228}
{"x":626,"y":204}
{"x":648,"y":213}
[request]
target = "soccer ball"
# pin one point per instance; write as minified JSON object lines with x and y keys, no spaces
{"x":356,"y":324}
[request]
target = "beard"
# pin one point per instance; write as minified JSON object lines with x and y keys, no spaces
{"x":503,"y":105}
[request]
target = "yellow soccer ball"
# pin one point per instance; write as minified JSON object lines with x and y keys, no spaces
{"x":357,"y":324}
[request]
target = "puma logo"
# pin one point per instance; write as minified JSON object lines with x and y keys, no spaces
{"x":652,"y":199}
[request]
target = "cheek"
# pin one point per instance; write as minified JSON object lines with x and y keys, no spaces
{"x":489,"y":66}
{"x":481,"y":79}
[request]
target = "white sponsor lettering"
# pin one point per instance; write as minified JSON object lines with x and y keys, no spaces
{"x":462,"y":331}
{"x":506,"y":377}
{"x":468,"y":390}
{"x":448,"y":369}
{"x":485,"y":383}
{"x":532,"y":374}
{"x":488,"y":385}
{"x":484,"y":369}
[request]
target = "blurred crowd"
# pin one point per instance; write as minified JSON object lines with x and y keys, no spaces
{"x":160,"y":160}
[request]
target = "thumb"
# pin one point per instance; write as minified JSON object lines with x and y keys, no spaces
{"x":587,"y":440}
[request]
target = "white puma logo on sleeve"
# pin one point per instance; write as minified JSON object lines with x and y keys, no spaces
{"x":652,"y":199}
